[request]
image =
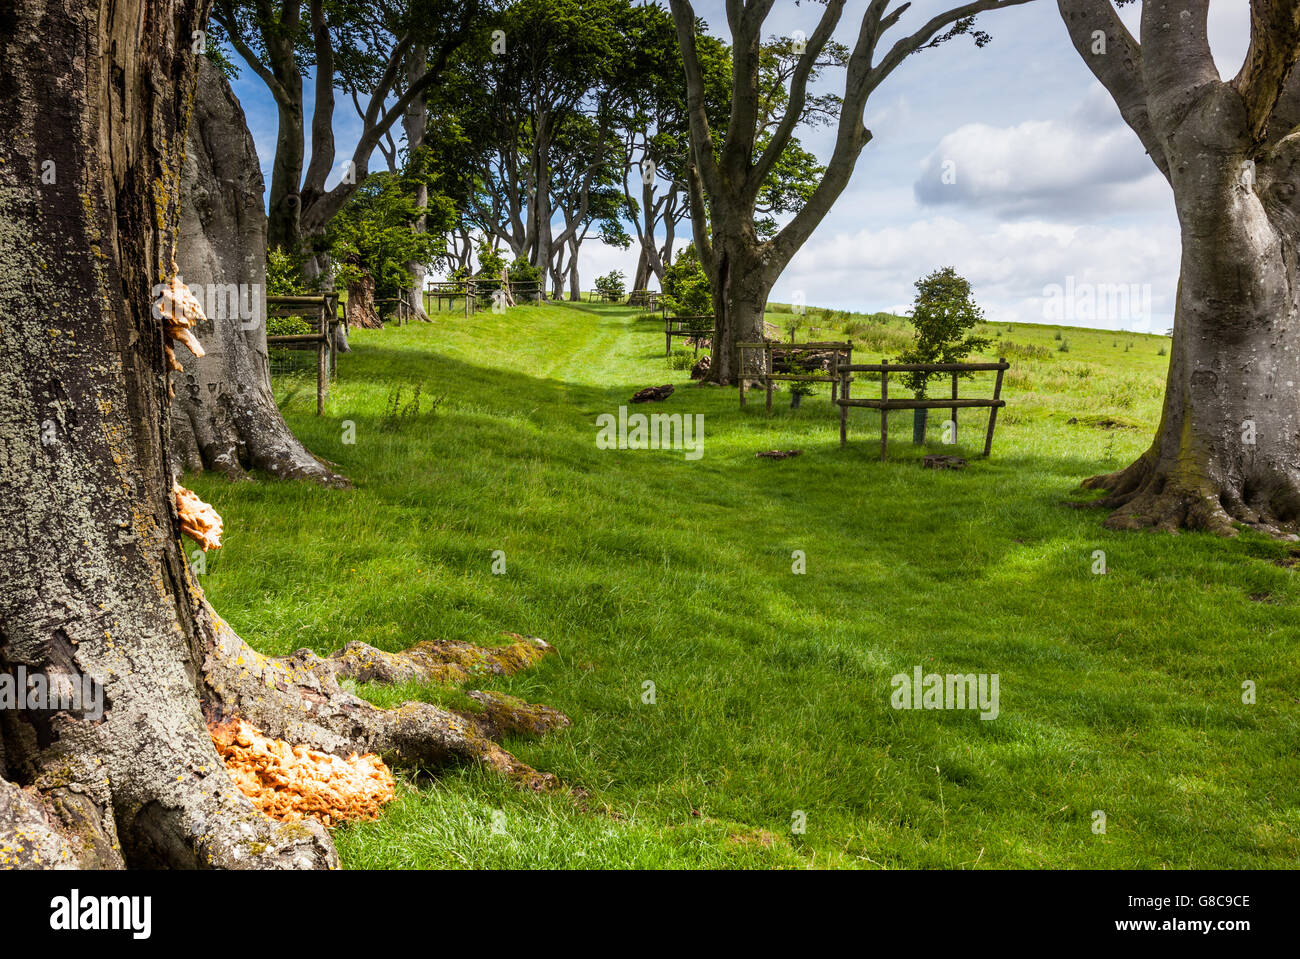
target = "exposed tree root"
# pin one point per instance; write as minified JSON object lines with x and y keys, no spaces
{"x":300,"y":699}
{"x":161,"y":795}
{"x":31,"y":836}
{"x":1147,"y":496}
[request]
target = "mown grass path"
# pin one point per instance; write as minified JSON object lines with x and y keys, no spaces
{"x":1119,"y":692}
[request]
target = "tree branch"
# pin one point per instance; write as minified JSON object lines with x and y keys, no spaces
{"x":1274,"y":50}
{"x":798,"y":94}
{"x":1116,"y":61}
{"x":225,"y":16}
{"x":701,"y":136}
{"x":322,"y":113}
{"x":1177,"y":64}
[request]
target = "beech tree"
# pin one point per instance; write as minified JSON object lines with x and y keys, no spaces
{"x":1227,"y":450}
{"x":224,"y":417}
{"x":392,"y":51}
{"x":728,"y":178}
{"x":96,"y":588}
{"x":519,"y":100}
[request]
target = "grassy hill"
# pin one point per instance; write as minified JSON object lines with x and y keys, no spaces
{"x":1119,"y":692}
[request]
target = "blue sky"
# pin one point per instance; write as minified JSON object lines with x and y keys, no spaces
{"x":1048,"y":187}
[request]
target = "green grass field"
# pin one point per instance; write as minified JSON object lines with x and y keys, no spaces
{"x":1119,"y":692}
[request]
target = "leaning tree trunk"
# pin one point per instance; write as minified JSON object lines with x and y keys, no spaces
{"x":642,"y":278}
{"x":225,"y":418}
{"x":1227,"y":452}
{"x":96,"y":588}
{"x":575,"y":286}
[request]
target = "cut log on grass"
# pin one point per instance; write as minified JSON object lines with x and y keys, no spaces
{"x":938,"y":462}
{"x":778,"y":454}
{"x":653,"y":394}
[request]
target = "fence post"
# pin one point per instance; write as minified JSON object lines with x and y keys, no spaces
{"x":993,"y":413}
{"x":767,"y":374}
{"x":331,"y":324}
{"x":954,"y":409}
{"x":844,"y":405}
{"x":321,"y":348}
{"x":884,"y":413}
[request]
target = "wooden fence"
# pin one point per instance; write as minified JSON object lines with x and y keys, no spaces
{"x":885,"y":404}
{"x":696,"y":327}
{"x":646,"y":298}
{"x":781,"y":361}
{"x":321,"y":311}
{"x":402,"y":311}
{"x":450,"y":291}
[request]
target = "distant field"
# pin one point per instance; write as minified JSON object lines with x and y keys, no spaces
{"x":1120,"y":693}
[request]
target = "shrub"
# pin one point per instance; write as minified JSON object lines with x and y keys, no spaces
{"x":687,"y":290}
{"x":283,"y":277}
{"x":944,"y":318}
{"x":288,"y":326}
{"x":681,"y":359}
{"x":611,"y":284}
{"x":1064,"y":347}
{"x":521,"y":271}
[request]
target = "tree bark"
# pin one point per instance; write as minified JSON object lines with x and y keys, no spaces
{"x":575,"y":287}
{"x":1227,"y":451}
{"x":361,"y":310}
{"x":224,"y":417}
{"x":416,"y":122}
{"x":96,"y":591}
{"x":741,"y":284}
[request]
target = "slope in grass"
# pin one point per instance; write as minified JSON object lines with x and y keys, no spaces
{"x":1119,"y":693}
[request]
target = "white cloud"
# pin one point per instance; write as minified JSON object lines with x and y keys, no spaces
{"x":1087,"y":163}
{"x":1010,"y":266}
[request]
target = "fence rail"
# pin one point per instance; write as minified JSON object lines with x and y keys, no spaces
{"x":840,"y":352}
{"x":885,"y":404}
{"x":696,"y":327}
{"x":322,"y":310}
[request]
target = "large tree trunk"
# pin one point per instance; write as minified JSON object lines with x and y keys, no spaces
{"x":1228,"y":446}
{"x":1227,"y":452}
{"x":225,"y":418}
{"x":575,"y":287}
{"x":361,"y":311}
{"x":642,"y":277}
{"x":96,"y":588}
{"x":284,"y":218}
{"x":416,"y":122}
{"x":741,"y":283}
